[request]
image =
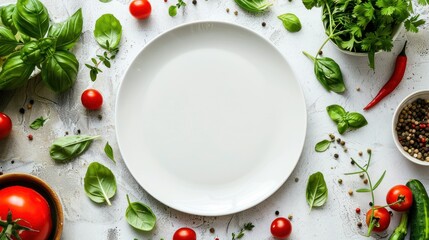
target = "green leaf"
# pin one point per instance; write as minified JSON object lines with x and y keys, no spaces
{"x":356,"y":120}
{"x":35,"y":52}
{"x":172,"y":10}
{"x":336,"y":112}
{"x":69,"y":147}
{"x":362,"y":190}
{"x":423,"y":2}
{"x":329,"y":74}
{"x":140,"y":216}
{"x":38,"y":123}
{"x":99,"y":183}
{"x":108,"y":31}
{"x":317,"y":191}
{"x":6,"y":17}
{"x":15,"y":72}
{"x":290,"y":22}
{"x":59,"y":72}
{"x":93,"y":74}
{"x":68,"y":32}
{"x":342,"y":127}
{"x":364,"y":13}
{"x":322,"y":146}
{"x":412,"y":24}
{"x":254,"y":6}
{"x":31,"y":18}
{"x":109,"y":152}
{"x":8,"y":42}
{"x":309,"y":4}
{"x":379,"y":181}
{"x":354,"y":173}
{"x":105,"y":1}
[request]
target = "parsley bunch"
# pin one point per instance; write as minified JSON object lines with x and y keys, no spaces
{"x":366,"y":26}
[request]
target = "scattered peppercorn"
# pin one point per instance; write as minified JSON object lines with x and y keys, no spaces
{"x":340,"y":181}
{"x":358,"y":210}
{"x":352,"y":162}
{"x":100,"y":117}
{"x":22,"y":110}
{"x":78,"y":131}
{"x":277,"y":213}
{"x":67,"y":133}
{"x":290,"y":216}
{"x":345,"y":150}
{"x":342,"y":143}
{"x":365,"y":181}
{"x":264,"y":24}
{"x":13,"y":161}
{"x":336,"y":155}
{"x":29,"y":106}
{"x":350,"y":192}
{"x":370,"y":204}
{"x":361,"y":175}
{"x":296,"y":179}
{"x":235,"y":13}
{"x":338,"y":140}
{"x":320,"y":52}
{"x":165,"y":0}
{"x":358,"y":89}
{"x":194,"y":2}
{"x":31,"y":101}
{"x":212,"y":230}
{"x":217,"y":238}
{"x":227,"y":10}
{"x":360,"y":153}
{"x":30,"y":137}
{"x":359,"y":224}
{"x":331,"y":136}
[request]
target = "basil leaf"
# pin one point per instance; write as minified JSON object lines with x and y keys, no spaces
{"x":15,"y":72}
{"x":329,"y":74}
{"x":317,"y":191}
{"x":38,"y":123}
{"x":8,"y":42}
{"x":6,"y":17}
{"x":69,"y":147}
{"x":31,"y":18}
{"x":109,"y":152}
{"x":99,"y":183}
{"x":35,"y":52}
{"x":140,"y":216}
{"x":290,"y":22}
{"x":336,"y":112}
{"x":342,"y":126}
{"x":68,"y":32}
{"x":309,"y":4}
{"x":322,"y":146}
{"x":105,"y":1}
{"x":254,"y":6}
{"x":356,"y":120}
{"x":172,"y":10}
{"x":108,"y":31}
{"x":60,"y":70}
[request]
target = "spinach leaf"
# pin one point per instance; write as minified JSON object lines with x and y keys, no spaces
{"x":38,"y":123}
{"x":336,"y":112}
{"x":31,"y":18}
{"x":99,"y":183}
{"x":108,"y":31}
{"x":322,"y":145}
{"x":109,"y":152}
{"x":254,"y":6}
{"x":60,"y":70}
{"x":69,"y":147}
{"x":15,"y":72}
{"x":140,"y":216}
{"x":290,"y":22}
{"x":8,"y":42}
{"x":317,"y":191}
{"x":67,"y":32}
{"x":6,"y":17}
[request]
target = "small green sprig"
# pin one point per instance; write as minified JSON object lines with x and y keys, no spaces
{"x":172,"y":10}
{"x":246,"y":227}
{"x":104,"y":59}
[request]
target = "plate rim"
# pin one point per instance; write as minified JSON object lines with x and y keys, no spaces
{"x":301,"y":96}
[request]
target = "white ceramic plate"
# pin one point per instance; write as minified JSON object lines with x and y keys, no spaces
{"x":210,"y":119}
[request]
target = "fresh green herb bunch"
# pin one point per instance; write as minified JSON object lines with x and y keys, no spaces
{"x":28,"y":41}
{"x":366,"y":26}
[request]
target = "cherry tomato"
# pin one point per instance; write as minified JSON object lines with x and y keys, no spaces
{"x":399,"y":193}
{"x":29,"y":206}
{"x":382,"y":218}
{"x":140,"y":9}
{"x":5,"y":125}
{"x":185,"y":234}
{"x":92,"y":99}
{"x":281,"y":228}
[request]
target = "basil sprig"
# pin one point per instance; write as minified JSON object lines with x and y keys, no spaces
{"x":290,"y":22}
{"x":38,"y":123}
{"x":140,"y":216}
{"x":254,"y":6}
{"x":27,"y":40}
{"x":99,"y":183}
{"x":69,"y":147}
{"x":317,"y":191}
{"x":345,"y":120}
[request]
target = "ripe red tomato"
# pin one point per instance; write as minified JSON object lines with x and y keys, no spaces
{"x":399,"y":193}
{"x":140,"y":9}
{"x":185,"y":234}
{"x":92,"y":99}
{"x":381,"y":216}
{"x":29,"y":206}
{"x":5,"y":125}
{"x":281,"y":228}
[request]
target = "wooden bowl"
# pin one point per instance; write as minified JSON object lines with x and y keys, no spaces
{"x":40,"y":186}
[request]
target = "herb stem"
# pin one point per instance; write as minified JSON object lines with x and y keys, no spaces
{"x":308,"y":55}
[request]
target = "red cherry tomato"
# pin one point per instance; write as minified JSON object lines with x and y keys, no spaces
{"x":92,"y":99}
{"x":140,"y":9}
{"x":29,"y":206}
{"x":399,"y":193}
{"x":281,"y":228}
{"x":381,"y":218}
{"x":185,"y":234}
{"x":5,"y":125}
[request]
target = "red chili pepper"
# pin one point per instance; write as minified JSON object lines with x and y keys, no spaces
{"x":395,"y":79}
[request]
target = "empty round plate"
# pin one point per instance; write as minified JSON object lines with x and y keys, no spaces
{"x":210,"y":118}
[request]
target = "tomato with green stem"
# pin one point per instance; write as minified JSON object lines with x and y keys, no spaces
{"x":185,"y":234}
{"x":140,"y":9}
{"x":399,"y":198}
{"x":380,"y":220}
{"x":24,"y":213}
{"x":281,"y":228}
{"x":5,"y":125}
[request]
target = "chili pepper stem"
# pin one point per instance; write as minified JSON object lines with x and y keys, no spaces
{"x":402,"y":53}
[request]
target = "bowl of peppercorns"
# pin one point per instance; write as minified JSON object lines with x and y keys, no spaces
{"x":411,"y":127}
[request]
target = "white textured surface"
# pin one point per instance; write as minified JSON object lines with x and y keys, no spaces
{"x":336,"y":220}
